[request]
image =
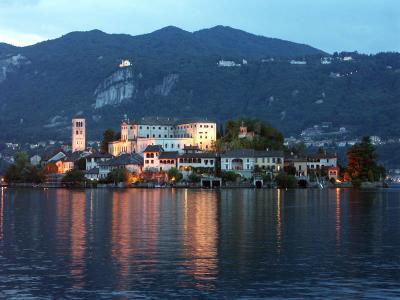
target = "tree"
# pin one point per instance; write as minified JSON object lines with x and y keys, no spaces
{"x":81,"y":164}
{"x":362,"y":162}
{"x":108,"y":136}
{"x":74,"y":177}
{"x":21,"y":160}
{"x":194,"y":178}
{"x":23,"y":171}
{"x":229,"y":176}
{"x":285,"y":181}
{"x":174,"y":175}
{"x":291,"y":170}
{"x":118,"y":175}
{"x":266,"y":137}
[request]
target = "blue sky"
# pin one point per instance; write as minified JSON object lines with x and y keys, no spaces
{"x":368,"y":26}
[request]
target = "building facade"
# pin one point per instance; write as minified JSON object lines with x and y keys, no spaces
{"x":171,"y":134}
{"x":244,"y":161}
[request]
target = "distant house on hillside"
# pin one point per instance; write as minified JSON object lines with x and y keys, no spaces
{"x":228,"y":63}
{"x":125,"y":63}
{"x":298,"y":62}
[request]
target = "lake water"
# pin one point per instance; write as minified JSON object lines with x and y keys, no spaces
{"x":128,"y":244}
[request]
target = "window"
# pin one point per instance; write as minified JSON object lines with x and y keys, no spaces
{"x":159,"y":135}
{"x":212,"y":126}
{"x":154,"y":127}
{"x":140,"y":127}
{"x":154,"y":135}
{"x":166,"y":146}
{"x":211,"y":161}
{"x":148,"y":136}
{"x":148,"y":127}
{"x":147,"y":161}
{"x":159,"y":128}
{"x":206,"y":161}
{"x":226,"y":166}
{"x":165,"y":135}
{"x":152,"y":161}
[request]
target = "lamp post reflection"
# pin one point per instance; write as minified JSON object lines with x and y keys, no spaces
{"x":337,"y":214}
{"x":278,"y":222}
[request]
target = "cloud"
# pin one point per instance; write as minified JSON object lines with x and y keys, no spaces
{"x":19,"y":39}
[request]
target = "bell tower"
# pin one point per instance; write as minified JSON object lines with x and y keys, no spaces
{"x":78,"y":135}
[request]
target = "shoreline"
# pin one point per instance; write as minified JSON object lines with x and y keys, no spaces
{"x":121,"y":187}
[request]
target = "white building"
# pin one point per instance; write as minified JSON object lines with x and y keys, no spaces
{"x":195,"y":158}
{"x":133,"y":163}
{"x":151,"y":157}
{"x":320,"y":161}
{"x":228,"y":63}
{"x":125,"y":63}
{"x":35,"y":160}
{"x":243,"y":161}
{"x":171,"y":134}
{"x":298,"y":62}
{"x":78,"y":135}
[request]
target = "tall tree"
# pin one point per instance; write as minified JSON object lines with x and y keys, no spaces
{"x":108,"y":136}
{"x":362,"y":162}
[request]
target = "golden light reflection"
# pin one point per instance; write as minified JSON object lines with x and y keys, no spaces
{"x":337,"y":214}
{"x":120,"y":234}
{"x":200,"y":238}
{"x":78,"y":240}
{"x":134,"y":231}
{"x":71,"y":230}
{"x":278,"y":222}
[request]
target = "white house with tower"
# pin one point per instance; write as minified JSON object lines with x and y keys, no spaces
{"x":172,"y":134}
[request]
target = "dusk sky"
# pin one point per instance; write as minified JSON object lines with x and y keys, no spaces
{"x":368,"y":26}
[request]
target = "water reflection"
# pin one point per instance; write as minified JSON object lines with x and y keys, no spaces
{"x":1,"y":212}
{"x":278,"y":222}
{"x":337,"y":215}
{"x":199,"y":244}
{"x":200,"y":238}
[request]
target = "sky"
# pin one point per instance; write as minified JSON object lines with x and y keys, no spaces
{"x":367,"y":26}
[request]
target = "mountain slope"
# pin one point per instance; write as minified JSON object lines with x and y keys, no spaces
{"x":175,"y":73}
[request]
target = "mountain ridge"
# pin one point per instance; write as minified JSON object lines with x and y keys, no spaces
{"x":176,"y":73}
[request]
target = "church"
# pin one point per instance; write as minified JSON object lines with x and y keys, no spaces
{"x":170,"y":133}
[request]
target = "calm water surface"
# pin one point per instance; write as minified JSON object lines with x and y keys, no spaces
{"x":128,"y":244}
